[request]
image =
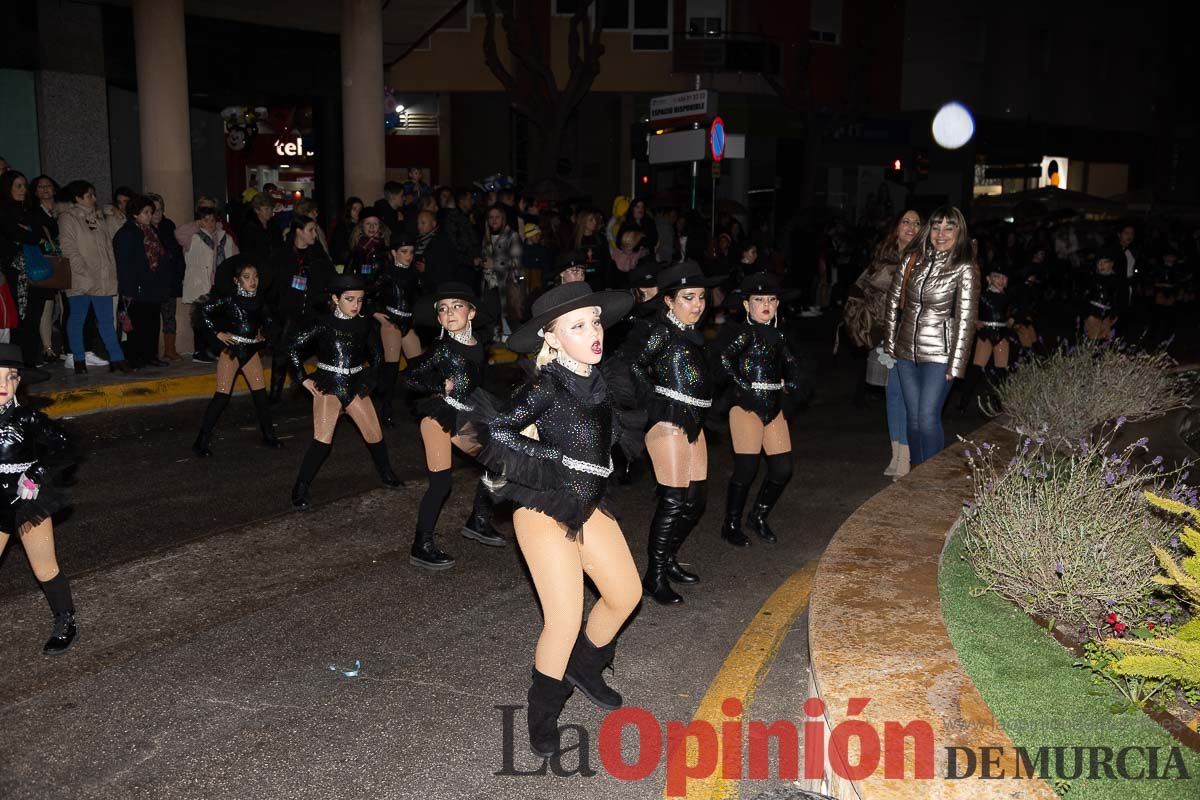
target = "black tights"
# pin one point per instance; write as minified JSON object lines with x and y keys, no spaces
{"x":431,"y":504}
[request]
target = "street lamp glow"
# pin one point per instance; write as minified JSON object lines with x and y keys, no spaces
{"x":399,"y":107}
{"x":953,"y":126}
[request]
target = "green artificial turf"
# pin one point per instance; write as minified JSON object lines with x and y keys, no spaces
{"x":1031,"y":686}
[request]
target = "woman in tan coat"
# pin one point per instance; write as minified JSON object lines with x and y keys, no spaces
{"x":931,"y":311}
{"x":86,"y":239}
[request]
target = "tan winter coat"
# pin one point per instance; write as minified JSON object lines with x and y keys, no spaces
{"x":937,"y":323}
{"x":86,"y":239}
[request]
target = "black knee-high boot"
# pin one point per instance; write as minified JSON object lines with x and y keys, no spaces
{"x":385,"y":392}
{"x":668,"y":516}
{"x":379,"y":454}
{"x":970,"y":384}
{"x":735,"y":505}
{"x":424,"y":552}
{"x":58,"y":595}
{"x":479,"y":522}
{"x":694,"y":504}
{"x":314,"y":457}
{"x":779,"y":472}
{"x":262,"y":410}
{"x":216,"y":407}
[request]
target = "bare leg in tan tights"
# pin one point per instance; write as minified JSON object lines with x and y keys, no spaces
{"x":38,"y":541}
{"x":227,"y":372}
{"x":327,"y":409}
{"x":681,"y":470}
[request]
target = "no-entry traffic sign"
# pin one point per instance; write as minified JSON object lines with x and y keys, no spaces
{"x":716,"y":139}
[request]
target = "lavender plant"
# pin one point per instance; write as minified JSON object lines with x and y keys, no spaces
{"x":1066,"y":533}
{"x":1066,"y":394}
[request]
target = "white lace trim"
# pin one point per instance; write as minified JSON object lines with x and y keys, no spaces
{"x":340,"y":370}
{"x":588,"y":467}
{"x":15,"y":469}
{"x":450,"y":401}
{"x":398,"y":312}
{"x":767,"y":387}
{"x":682,"y":398}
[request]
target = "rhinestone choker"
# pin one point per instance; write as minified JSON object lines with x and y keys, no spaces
{"x":337,"y":312}
{"x":578,"y":367}
{"x":677,"y":322}
{"x":245,"y":292}
{"x":462,"y":337}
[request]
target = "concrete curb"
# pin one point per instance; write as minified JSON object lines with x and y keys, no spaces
{"x":127,"y":394}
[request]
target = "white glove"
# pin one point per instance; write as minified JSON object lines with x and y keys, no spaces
{"x":884,"y":358}
{"x":26,"y":488}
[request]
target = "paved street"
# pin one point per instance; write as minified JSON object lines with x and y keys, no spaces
{"x":210,"y":618}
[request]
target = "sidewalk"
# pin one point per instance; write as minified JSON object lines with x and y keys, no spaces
{"x":68,"y":394}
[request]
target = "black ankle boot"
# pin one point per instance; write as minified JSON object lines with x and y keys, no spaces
{"x":693,"y":508}
{"x":300,"y":497}
{"x":768,"y":495}
{"x":379,"y":454}
{"x":425,"y":553}
{"x":667,"y":517}
{"x":479,"y":524}
{"x":547,"y":697}
{"x":585,"y":671}
{"x":970,"y":384}
{"x":58,"y":595}
{"x":735,"y":504}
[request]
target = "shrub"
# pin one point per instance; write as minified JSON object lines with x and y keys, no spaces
{"x":1068,"y":393}
{"x":1175,"y":657}
{"x":1066,"y":534}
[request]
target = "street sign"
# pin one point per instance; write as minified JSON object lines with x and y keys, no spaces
{"x":673,"y":148}
{"x":716,"y":139}
{"x":716,"y":169}
{"x":684,"y":105}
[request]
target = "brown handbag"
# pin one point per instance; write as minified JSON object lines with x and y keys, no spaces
{"x":60,"y":278}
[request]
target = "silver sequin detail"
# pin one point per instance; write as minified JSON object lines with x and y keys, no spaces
{"x":589,"y":468}
{"x":15,"y":469}
{"x":398,"y":312}
{"x":463,"y":336}
{"x":682,"y":398}
{"x":767,"y":387}
{"x":340,"y":370}
{"x":677,"y":322}
{"x":246,"y":293}
{"x":994,"y":324}
{"x":450,"y":401}
{"x":233,"y":337}
{"x":337,"y":312}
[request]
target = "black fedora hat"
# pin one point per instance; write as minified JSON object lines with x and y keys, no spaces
{"x":562,"y":299}
{"x":686,"y":274}
{"x":11,"y":357}
{"x":426,"y":311}
{"x":402,"y":240}
{"x":644,"y":275}
{"x":762,"y":283}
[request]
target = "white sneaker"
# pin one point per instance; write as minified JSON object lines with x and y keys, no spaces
{"x":69,"y":361}
{"x":93,"y":360}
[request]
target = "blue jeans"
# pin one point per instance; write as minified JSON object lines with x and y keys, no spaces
{"x":897,"y":417}
{"x":925,"y":390}
{"x":102,"y":306}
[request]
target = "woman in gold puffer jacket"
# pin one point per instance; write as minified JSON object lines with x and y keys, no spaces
{"x":931,"y":311}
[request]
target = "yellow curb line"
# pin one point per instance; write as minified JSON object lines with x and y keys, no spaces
{"x":744,"y":669}
{"x":85,"y":400}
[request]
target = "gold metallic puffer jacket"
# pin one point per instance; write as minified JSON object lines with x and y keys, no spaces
{"x":937,"y":323}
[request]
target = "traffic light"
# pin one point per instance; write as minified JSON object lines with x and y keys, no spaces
{"x":895,"y":171}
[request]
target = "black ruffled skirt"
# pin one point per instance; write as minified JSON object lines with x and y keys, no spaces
{"x":16,"y":514}
{"x":659,"y":408}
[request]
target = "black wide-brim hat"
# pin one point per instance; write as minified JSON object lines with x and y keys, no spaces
{"x":763,"y":283}
{"x":684,"y":275}
{"x":426,"y":313}
{"x":561,"y":300}
{"x":644,"y":276}
{"x":11,"y":357}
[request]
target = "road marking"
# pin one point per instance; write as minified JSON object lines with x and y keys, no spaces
{"x":744,"y":669}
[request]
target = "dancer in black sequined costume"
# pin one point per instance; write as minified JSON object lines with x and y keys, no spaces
{"x":237,"y":325}
{"x":671,"y":375}
{"x":347,"y":360}
{"x":32,"y":448}
{"x":551,"y":448}
{"x":393,"y":298}
{"x":763,"y":374}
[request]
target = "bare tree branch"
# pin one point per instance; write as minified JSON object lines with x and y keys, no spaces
{"x":585,"y":67}
{"x":521,"y":46}
{"x":491,"y":57}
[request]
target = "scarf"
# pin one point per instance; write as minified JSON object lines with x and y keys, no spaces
{"x":152,"y":246}
{"x":217,"y":247}
{"x":423,"y":241}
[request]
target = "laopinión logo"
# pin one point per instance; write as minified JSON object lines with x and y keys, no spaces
{"x":725,"y":749}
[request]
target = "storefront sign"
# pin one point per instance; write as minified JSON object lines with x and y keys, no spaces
{"x":294,"y":148}
{"x":685,"y":105}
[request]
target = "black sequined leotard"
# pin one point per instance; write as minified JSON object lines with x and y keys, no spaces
{"x":671,"y":373}
{"x":33,"y":445}
{"x":246,"y":318}
{"x":762,"y":369}
{"x":427,"y":374}
{"x":394,"y":293}
{"x":994,"y":313}
{"x":564,"y":471}
{"x":347,"y":356}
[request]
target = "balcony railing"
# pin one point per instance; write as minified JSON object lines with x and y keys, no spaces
{"x":725,"y":51}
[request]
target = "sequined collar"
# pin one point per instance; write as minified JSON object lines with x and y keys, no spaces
{"x":578,"y":367}
{"x":677,"y":322}
{"x":245,"y":292}
{"x":462,"y":337}
{"x":337,"y":312}
{"x":768,"y":332}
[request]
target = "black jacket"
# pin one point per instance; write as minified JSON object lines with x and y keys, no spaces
{"x":442,"y":264}
{"x":298,"y":283}
{"x":135,"y":279}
